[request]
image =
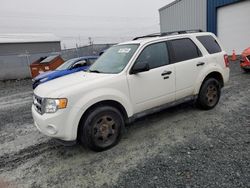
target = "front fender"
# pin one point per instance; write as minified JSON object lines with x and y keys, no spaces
{"x":96,"y":96}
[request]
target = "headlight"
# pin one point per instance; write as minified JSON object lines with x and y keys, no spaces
{"x":52,"y":105}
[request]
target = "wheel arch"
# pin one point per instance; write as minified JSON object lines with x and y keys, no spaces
{"x":112,"y":103}
{"x":217,"y":75}
{"x":214,"y":74}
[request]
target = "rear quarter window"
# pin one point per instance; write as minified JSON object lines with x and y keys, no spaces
{"x":183,"y":50}
{"x":210,"y":44}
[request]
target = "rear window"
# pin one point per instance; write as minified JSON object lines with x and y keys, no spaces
{"x":183,"y":49}
{"x":210,"y":44}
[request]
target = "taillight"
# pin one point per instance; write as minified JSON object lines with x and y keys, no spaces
{"x":226,"y":60}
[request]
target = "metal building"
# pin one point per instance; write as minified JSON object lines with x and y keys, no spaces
{"x":228,"y":19}
{"x":17,"y":51}
{"x":183,"y":14}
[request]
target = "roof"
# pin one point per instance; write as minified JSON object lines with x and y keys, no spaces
{"x":146,"y":40}
{"x":28,"y":38}
{"x":83,"y":57}
{"x":169,"y":5}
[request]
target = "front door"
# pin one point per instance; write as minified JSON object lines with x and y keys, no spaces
{"x":155,"y":87}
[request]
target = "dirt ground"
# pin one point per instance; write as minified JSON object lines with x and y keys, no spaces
{"x":179,"y":147}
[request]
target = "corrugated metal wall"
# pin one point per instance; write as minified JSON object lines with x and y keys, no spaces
{"x":16,"y":66}
{"x":32,"y":48}
{"x":184,"y":15}
{"x":15,"y":58}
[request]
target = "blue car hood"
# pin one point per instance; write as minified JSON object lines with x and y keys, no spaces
{"x":50,"y":75}
{"x":43,"y":75}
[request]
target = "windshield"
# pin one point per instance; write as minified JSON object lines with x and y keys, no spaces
{"x":66,"y":65}
{"x":115,"y":59}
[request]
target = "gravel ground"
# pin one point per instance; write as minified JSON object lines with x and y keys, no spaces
{"x":179,"y":147}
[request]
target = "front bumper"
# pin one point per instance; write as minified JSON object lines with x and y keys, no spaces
{"x":57,"y":125}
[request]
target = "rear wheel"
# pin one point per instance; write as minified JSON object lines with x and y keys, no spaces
{"x":101,"y":129}
{"x":209,"y":95}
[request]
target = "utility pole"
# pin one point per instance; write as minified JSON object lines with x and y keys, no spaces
{"x":91,"y":42}
{"x":77,"y":50}
{"x":80,"y":41}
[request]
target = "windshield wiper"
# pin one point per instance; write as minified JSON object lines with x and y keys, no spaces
{"x":95,"y":71}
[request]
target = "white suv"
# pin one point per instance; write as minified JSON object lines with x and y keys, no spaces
{"x":128,"y":81}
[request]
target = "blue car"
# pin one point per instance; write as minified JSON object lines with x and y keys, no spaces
{"x":69,"y":67}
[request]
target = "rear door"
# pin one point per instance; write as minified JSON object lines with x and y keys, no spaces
{"x":188,"y":61}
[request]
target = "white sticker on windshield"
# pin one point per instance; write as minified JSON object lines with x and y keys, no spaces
{"x":124,"y":50}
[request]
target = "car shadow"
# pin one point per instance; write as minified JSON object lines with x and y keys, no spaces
{"x":67,"y":151}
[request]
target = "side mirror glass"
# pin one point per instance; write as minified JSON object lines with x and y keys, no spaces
{"x":140,"y":67}
{"x":79,"y":64}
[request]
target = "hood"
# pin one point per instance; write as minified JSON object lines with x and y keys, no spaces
{"x":57,"y":87}
{"x":58,"y":73}
{"x":246,"y":52}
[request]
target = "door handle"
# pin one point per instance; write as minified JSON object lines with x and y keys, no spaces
{"x":166,"y":73}
{"x":200,"y":64}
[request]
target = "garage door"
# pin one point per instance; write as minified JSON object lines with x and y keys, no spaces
{"x":234,"y":26}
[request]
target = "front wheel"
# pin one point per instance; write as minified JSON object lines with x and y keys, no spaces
{"x":101,"y":129}
{"x":209,"y":94}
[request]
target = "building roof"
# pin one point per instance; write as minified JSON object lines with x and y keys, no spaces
{"x":169,"y":5}
{"x":28,"y":38}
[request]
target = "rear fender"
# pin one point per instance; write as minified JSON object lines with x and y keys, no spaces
{"x":203,"y":76}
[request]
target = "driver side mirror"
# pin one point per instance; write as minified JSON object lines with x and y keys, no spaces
{"x":139,"y":67}
{"x":78,"y":64}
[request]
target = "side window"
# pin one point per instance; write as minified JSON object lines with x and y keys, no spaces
{"x":156,"y":55}
{"x":210,"y":44}
{"x":183,"y":49}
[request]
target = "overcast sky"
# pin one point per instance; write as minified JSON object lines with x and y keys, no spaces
{"x":73,"y":21}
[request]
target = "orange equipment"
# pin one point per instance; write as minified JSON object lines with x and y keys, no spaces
{"x":245,"y":60}
{"x":45,"y":64}
{"x":234,"y":57}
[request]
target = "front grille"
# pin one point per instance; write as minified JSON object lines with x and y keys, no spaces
{"x":38,"y":102}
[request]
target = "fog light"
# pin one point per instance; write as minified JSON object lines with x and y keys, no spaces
{"x":51,"y":129}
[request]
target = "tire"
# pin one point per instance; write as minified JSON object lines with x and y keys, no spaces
{"x":209,"y":94}
{"x":246,"y":70}
{"x":101,"y":129}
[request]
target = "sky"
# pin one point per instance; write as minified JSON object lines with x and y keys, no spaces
{"x":74,"y":21}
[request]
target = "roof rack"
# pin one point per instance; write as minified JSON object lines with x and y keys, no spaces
{"x":169,"y":33}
